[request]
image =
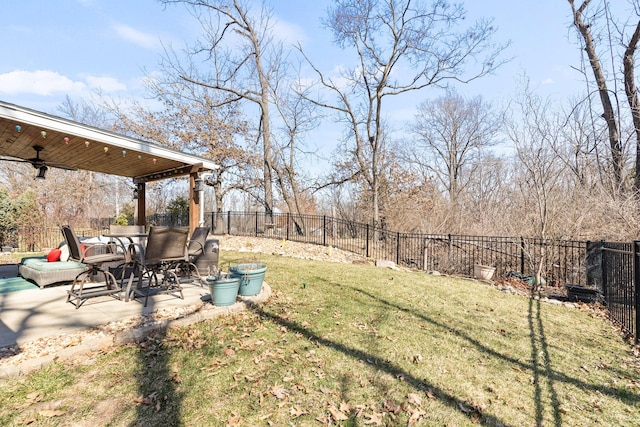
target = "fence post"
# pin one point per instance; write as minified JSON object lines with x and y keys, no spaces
{"x":521,"y":255}
{"x":324,"y":230}
{"x":636,"y":288}
{"x":603,"y":268}
{"x":256,"y":227}
{"x":366,"y":244}
{"x":228,"y":222}
{"x":398,"y":248}
{"x":288,"y":221}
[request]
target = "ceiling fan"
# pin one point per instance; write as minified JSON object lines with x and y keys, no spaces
{"x":40,"y":164}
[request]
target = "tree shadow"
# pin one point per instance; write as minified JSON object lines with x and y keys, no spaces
{"x":540,"y":366}
{"x":159,"y":400}
{"x":460,"y":405}
{"x":542,"y":369}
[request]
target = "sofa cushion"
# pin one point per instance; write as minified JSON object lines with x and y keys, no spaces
{"x":41,"y":264}
{"x":64,"y":252}
{"x":54,"y":255}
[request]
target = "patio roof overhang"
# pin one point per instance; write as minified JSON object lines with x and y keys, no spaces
{"x":79,"y":146}
{"x":72,"y":145}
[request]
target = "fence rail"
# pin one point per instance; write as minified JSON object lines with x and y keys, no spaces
{"x":562,"y":261}
{"x":621,"y":284}
{"x":613,"y":268}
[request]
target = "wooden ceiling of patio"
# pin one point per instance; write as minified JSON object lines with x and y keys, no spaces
{"x":77,"y":146}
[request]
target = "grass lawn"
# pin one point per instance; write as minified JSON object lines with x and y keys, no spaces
{"x":352,"y":345}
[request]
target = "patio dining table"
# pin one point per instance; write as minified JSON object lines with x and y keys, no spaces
{"x":132,"y":238}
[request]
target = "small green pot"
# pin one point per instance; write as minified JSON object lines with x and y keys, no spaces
{"x":224,"y":291}
{"x":251,"y":276}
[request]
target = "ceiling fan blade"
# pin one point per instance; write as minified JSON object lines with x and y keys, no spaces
{"x":60,"y":166}
{"x":5,"y":159}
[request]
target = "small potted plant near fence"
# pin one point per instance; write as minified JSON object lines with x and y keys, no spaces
{"x":251,"y":276}
{"x":223,"y":288}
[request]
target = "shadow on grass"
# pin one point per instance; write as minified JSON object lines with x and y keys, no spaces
{"x":159,"y":400}
{"x":460,"y":405}
{"x":541,"y":369}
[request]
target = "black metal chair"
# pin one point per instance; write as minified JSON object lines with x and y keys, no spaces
{"x":165,"y":248}
{"x":85,"y":285}
{"x":195,"y":248}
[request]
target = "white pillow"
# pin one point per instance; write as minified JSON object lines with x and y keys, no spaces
{"x":64,"y":256}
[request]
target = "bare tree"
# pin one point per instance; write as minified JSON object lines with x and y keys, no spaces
{"x":297,"y":116}
{"x":628,"y":61}
{"x":244,"y":60}
{"x":488,"y":196}
{"x":540,"y":181}
{"x":585,"y":29}
{"x":72,"y":197}
{"x":452,"y":134}
{"x":193,"y":119}
{"x":400,"y":46}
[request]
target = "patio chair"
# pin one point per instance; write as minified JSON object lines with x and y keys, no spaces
{"x":85,"y":285}
{"x":195,"y":248}
{"x":165,"y":248}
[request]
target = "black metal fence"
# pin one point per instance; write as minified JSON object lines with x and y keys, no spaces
{"x":561,"y":261}
{"x":621,"y":284}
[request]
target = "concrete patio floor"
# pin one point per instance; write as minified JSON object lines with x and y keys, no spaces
{"x":28,"y":315}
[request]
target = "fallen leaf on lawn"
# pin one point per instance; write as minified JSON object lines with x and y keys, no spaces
{"x":35,"y":396}
{"x":51,"y":413}
{"x":392,"y":407}
{"x":337,"y":414}
{"x":297,"y":411}
{"x":279,"y":392}
{"x":345,"y":407}
{"x":324,"y":420}
{"x":414,"y":399}
{"x":326,"y":390}
{"x":374,"y":418}
{"x":234,"y":421}
{"x":229,"y":352}
{"x":143,"y":400}
{"x":416,"y":414}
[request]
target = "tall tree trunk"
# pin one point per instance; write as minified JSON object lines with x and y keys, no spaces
{"x":632,"y":98}
{"x":608,"y":112}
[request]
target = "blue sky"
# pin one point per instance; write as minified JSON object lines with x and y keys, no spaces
{"x":51,"y":49}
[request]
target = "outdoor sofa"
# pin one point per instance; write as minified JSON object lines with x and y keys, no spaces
{"x":45,"y":270}
{"x":43,"y":273}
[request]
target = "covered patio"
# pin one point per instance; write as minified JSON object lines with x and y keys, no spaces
{"x":48,"y":141}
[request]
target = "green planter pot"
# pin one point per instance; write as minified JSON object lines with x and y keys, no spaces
{"x":251,"y":276}
{"x":224,"y":291}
